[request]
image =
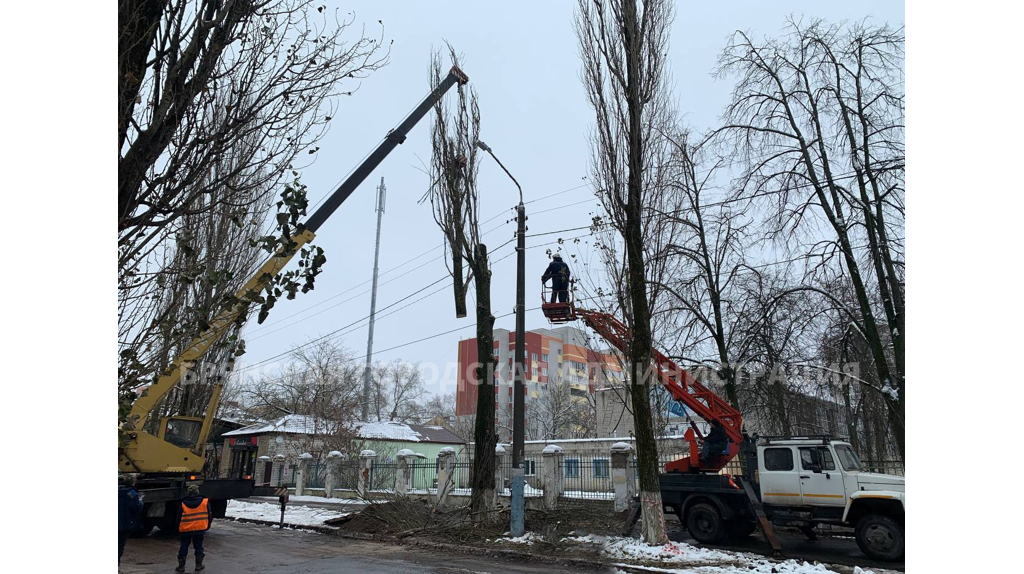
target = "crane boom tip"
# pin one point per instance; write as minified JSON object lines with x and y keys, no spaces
{"x":459,"y":75}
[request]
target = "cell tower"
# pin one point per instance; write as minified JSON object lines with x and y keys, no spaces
{"x":381,"y":197}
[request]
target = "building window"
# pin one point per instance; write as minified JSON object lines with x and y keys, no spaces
{"x":533,"y":357}
{"x":601,"y":468}
{"x":572,"y":468}
{"x":544,"y":357}
{"x":529,"y":468}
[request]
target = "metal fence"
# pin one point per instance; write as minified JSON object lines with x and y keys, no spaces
{"x":895,"y":467}
{"x":316,"y":475}
{"x":382,"y":476}
{"x":423,"y":473}
{"x":587,"y":477}
{"x":583,"y":476}
{"x":531,"y":473}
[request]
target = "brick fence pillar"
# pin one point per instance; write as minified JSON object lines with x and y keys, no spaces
{"x":499,"y":467}
{"x":279,"y":463}
{"x":402,"y":474}
{"x":333,"y":462}
{"x":622,"y":475}
{"x":261,"y":470}
{"x":445,"y":474}
{"x":551,"y":475}
{"x":366,"y":459}
{"x":300,"y":475}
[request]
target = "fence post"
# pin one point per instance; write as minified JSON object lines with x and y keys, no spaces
{"x":333,"y":458}
{"x":403,"y":476}
{"x":445,"y":468}
{"x":499,"y":481}
{"x":366,"y":459}
{"x":300,"y":474}
{"x":279,"y":459}
{"x":550,"y":475}
{"x":261,"y":470}
{"x":622,"y":460}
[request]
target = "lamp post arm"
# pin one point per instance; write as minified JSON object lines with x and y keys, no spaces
{"x":488,"y":150}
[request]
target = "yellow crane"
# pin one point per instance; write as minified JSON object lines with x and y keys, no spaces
{"x":175,"y":455}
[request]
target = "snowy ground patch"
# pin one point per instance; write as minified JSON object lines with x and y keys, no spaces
{"x":680,"y":558}
{"x":527,"y":538}
{"x":300,"y":515}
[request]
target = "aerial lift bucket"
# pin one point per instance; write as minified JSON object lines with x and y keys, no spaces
{"x":557,"y":312}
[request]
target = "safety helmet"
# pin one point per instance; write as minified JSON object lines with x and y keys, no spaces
{"x":557,"y":257}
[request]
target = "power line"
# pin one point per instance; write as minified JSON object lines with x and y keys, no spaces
{"x":322,"y":337}
{"x":395,"y":268}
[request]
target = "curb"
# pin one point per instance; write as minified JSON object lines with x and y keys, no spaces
{"x":307,"y":527}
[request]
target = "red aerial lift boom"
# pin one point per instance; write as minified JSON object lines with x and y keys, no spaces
{"x":684,"y":388}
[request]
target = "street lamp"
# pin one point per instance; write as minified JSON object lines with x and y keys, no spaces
{"x":518,"y":402}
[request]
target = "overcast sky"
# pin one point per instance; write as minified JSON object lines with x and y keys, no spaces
{"x":521,"y":57}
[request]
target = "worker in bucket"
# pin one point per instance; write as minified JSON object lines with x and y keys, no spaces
{"x":558,"y":273}
{"x":716,"y":441}
{"x":193,"y":522}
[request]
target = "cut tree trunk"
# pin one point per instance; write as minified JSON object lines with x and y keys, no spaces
{"x":483,"y":453}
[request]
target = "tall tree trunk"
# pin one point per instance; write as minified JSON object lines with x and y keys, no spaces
{"x":483,"y":436}
{"x":653,"y":518}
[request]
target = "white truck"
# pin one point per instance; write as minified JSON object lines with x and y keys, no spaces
{"x":796,"y":481}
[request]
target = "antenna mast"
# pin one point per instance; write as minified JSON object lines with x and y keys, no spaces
{"x":381,"y":198}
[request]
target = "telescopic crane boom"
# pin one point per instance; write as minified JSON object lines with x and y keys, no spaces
{"x":683,"y":388}
{"x":148,"y":453}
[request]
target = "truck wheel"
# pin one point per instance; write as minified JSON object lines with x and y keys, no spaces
{"x":880,"y":537}
{"x":705,"y":523}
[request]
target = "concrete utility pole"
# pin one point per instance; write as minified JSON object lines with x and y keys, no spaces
{"x":381,"y":197}
{"x":519,"y":399}
{"x":518,"y":509}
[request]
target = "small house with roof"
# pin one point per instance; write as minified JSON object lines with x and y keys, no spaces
{"x":270,"y":451}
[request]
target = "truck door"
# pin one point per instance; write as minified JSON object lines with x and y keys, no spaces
{"x":820,"y":483}
{"x":779,"y":476}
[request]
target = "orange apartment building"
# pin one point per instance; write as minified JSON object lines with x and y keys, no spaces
{"x":550,"y":355}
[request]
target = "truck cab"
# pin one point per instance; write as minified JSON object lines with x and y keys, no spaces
{"x":806,"y":481}
{"x":800,"y":482}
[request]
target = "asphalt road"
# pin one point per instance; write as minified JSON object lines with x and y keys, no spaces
{"x":826,"y":549}
{"x":239,"y":548}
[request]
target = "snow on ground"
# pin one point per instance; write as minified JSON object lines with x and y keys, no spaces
{"x":304,"y":498}
{"x":301,"y":515}
{"x":696,"y":560}
{"x":762,"y":567}
{"x":527,"y":538}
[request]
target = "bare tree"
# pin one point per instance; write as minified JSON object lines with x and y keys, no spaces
{"x":396,"y":388}
{"x":322,"y":382}
{"x":217,"y":102}
{"x":269,"y":67}
{"x":555,"y":410}
{"x":455,"y":201}
{"x":816,"y":119}
{"x":779,"y":333}
{"x":440,"y":407}
{"x":707,"y":257}
{"x":210,"y":259}
{"x":623,"y":47}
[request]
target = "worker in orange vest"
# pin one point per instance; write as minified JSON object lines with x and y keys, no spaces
{"x":193,"y":522}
